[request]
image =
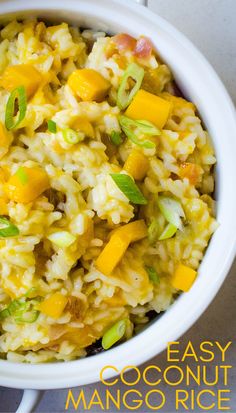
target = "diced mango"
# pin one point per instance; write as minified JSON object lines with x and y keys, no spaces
{"x":5,"y":140}
{"x":112,"y":253}
{"x":178,"y":102}
{"x":83,"y":125}
{"x":118,"y":244}
{"x":134,"y":231}
{"x":191,"y":171}
{"x":136,"y":165}
{"x":183,"y":278}
{"x":54,"y":305}
{"x":88,"y":84}
{"x":150,"y":107}
{"x":3,"y":207}
{"x":34,"y":183}
{"x":21,"y":75}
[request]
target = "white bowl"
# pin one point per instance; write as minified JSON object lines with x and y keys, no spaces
{"x":201,"y":84}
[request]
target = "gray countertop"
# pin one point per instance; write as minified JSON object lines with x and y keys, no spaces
{"x":210,"y":24}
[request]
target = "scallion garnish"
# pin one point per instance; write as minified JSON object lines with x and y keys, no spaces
{"x":21,"y":310}
{"x":126,"y":184}
{"x":7,"y":229}
{"x":52,"y":126}
{"x":168,"y":232}
{"x":136,"y":128}
{"x":17,"y":305}
{"x":71,"y":136}
{"x":19,"y":95}
{"x":22,"y":175}
{"x":146,"y":127}
{"x":125,"y":96}
{"x":116,"y":138}
{"x":153,"y":276}
{"x":114,"y":334}
{"x":14,"y":307}
{"x":4,"y":314}
{"x":27,"y":317}
{"x":171,"y":210}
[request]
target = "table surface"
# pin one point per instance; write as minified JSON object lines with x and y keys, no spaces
{"x":210,"y":24}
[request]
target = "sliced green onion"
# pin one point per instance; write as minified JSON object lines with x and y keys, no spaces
{"x":133,"y":137}
{"x":133,"y":129}
{"x":14,"y":307}
{"x":126,"y":184}
{"x":22,"y":175}
{"x":22,"y":311}
{"x":52,"y":126}
{"x":171,"y":210}
{"x":153,"y":276}
{"x":153,"y":231}
{"x":17,"y":305}
{"x":62,"y":239}
{"x":27,"y":313}
{"x":4,"y":314}
{"x":71,"y":136}
{"x":140,"y":126}
{"x":27,"y":317}
{"x":116,"y":138}
{"x":168,"y":232}
{"x":125,"y":97}
{"x":20,"y":95}
{"x":7,"y":229}
{"x":114,"y":334}
{"x":146,"y":127}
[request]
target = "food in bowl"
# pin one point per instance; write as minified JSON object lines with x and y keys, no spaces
{"x":106,"y":179}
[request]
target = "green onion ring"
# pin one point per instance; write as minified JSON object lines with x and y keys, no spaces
{"x":136,"y":73}
{"x":114,"y":334}
{"x":7,"y":229}
{"x":20,"y":94}
{"x":52,"y":126}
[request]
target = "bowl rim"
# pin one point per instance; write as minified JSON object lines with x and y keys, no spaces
{"x":146,"y":344}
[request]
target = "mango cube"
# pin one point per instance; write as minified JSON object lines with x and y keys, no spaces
{"x":112,"y":253}
{"x":150,"y":107}
{"x":54,"y":305}
{"x":88,"y":85}
{"x":136,"y":165}
{"x":118,"y":244}
{"x":178,"y":102}
{"x":26,"y":185}
{"x":183,"y":278}
{"x":134,"y":231}
{"x":21,"y":75}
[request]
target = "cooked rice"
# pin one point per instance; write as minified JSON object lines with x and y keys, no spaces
{"x":85,"y":201}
